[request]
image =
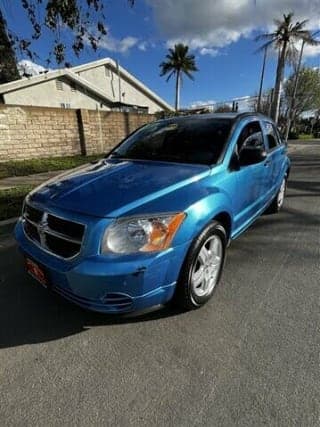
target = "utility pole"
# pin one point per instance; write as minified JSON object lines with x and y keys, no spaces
{"x":262,"y":78}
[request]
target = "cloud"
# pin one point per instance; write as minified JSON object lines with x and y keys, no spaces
{"x":207,"y":103}
{"x":245,"y":103}
{"x":27,"y":67}
{"x":143,"y":46}
{"x":209,"y":51}
{"x":310,"y":51}
{"x":212,"y":24}
{"x":118,"y":45}
{"x":124,"y":45}
{"x":113,"y":44}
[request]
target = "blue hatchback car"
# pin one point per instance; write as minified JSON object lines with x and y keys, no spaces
{"x":151,"y":222}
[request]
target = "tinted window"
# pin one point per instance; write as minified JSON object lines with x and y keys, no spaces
{"x":251,"y":135}
{"x":193,"y":140}
{"x":272,"y":135}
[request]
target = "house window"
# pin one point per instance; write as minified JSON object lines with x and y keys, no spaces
{"x":59,"y":85}
{"x":107,"y":71}
{"x":65,"y":105}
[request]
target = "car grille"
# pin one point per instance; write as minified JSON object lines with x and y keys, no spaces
{"x":59,"y":236}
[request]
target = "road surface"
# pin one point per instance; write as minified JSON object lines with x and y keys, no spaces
{"x":250,"y":357}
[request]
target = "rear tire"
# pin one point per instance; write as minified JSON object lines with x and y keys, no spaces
{"x":277,"y":202}
{"x":202,"y":268}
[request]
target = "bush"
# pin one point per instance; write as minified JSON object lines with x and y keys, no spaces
{"x":293,"y":135}
{"x":11,"y":201}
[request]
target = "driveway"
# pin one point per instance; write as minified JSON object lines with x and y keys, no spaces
{"x":248,"y":358}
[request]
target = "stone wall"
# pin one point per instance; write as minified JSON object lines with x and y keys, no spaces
{"x":33,"y":132}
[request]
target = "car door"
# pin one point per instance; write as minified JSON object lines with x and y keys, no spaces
{"x":276,"y":152}
{"x":251,"y":179}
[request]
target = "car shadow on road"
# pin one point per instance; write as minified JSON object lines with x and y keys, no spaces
{"x":30,"y":314}
{"x":311,"y":188}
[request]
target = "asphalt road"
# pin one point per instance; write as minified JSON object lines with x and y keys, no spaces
{"x":250,"y":357}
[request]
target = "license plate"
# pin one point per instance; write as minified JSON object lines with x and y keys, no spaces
{"x":36,"y":271}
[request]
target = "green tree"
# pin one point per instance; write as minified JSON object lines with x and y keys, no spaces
{"x":283,"y":39}
{"x":85,"y":20}
{"x":178,"y":62}
{"x":8,"y":65}
{"x":307,"y":96}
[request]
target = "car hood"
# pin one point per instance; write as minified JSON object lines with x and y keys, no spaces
{"x":111,"y":188}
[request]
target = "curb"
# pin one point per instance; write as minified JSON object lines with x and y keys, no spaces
{"x":7,"y":226}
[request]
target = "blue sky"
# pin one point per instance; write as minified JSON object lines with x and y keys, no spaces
{"x":220,"y":34}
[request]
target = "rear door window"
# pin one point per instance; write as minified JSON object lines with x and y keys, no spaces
{"x":272,"y":135}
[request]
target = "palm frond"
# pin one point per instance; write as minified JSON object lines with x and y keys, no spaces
{"x":265,"y":36}
{"x":187,"y":73}
{"x":178,"y":59}
{"x":265,"y":46}
{"x":300,"y":25}
{"x":170,"y":75}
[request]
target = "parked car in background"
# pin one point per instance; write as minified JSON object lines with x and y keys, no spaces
{"x":151,"y":222}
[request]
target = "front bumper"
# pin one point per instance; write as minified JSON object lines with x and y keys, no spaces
{"x":110,"y":284}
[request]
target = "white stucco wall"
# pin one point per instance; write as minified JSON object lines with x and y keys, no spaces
{"x":110,"y":85}
{"x":46,"y":94}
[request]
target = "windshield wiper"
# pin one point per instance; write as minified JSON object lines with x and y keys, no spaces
{"x":114,"y":155}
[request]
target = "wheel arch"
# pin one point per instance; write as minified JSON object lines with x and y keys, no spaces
{"x":224,"y":218}
{"x":288,"y":171}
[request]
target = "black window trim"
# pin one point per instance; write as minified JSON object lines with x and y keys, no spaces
{"x":237,"y":124}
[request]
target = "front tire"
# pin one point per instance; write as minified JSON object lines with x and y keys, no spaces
{"x":202,"y":268}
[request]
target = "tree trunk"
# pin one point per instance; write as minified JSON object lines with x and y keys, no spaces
{"x":277,"y":86}
{"x":292,"y":112}
{"x":177,"y":103}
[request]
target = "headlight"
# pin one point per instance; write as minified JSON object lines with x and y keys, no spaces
{"x":141,"y":234}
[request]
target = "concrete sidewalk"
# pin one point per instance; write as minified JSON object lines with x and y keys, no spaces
{"x":36,"y":179}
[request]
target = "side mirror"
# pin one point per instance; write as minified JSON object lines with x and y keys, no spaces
{"x":251,"y":155}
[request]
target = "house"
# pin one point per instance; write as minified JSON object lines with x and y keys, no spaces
{"x":98,"y":85}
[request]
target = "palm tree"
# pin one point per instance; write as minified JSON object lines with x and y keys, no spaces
{"x":177,"y":63}
{"x":283,"y":39}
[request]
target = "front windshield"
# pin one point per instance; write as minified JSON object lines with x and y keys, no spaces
{"x":191,"y":140}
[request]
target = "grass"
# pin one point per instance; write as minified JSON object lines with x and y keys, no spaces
{"x":306,"y":136}
{"x":28,"y":167}
{"x":11,"y":201}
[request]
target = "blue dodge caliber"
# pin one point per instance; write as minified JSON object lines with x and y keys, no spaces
{"x":151,"y":221}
